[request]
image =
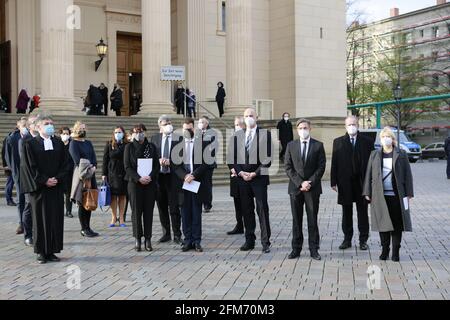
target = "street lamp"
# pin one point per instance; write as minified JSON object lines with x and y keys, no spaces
{"x":102,"y":50}
{"x":398,"y":94}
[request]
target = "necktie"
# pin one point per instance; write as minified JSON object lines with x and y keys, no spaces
{"x":353,"y":142}
{"x":249,"y":140}
{"x":166,"y":154}
{"x":305,"y":144}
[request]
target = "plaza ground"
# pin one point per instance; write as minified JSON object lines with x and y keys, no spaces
{"x":111,"y":269}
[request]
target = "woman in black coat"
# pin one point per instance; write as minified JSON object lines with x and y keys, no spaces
{"x":141,"y":189}
{"x":64,"y":134}
{"x":220,"y":98}
{"x":286,"y":133}
{"x":117,"y":100}
{"x":114,"y":174}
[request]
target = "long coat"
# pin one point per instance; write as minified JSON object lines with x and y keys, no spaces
{"x":114,"y":169}
{"x":286,"y":133}
{"x":373,"y":188}
{"x":342,"y":168}
{"x":117,"y":99}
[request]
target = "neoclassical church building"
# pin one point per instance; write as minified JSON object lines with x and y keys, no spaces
{"x":278,"y":55}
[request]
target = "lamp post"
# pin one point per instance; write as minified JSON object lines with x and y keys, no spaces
{"x":102,"y":50}
{"x":398,"y":93}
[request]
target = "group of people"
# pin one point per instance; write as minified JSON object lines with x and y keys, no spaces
{"x":96,"y":101}
{"x":25,"y":103}
{"x":48,"y":166}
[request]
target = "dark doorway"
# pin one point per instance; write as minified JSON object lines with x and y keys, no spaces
{"x":5,"y":74}
{"x":135,"y":85}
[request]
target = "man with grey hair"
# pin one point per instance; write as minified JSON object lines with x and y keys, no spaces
{"x":44,"y":167}
{"x":351,"y":154}
{"x":166,"y":199}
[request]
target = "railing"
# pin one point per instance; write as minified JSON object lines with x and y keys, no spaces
{"x":213,"y":116}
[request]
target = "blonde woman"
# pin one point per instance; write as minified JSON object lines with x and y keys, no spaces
{"x":389,"y":188}
{"x":79,"y":149}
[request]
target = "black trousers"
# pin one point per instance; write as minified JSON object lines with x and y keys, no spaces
{"x":311,"y":202}
{"x":220,"y":106}
{"x":142,"y":202}
{"x":448,"y":166}
{"x":191,"y":212}
{"x":68,"y":202}
{"x":27,"y":220}
{"x":238,"y":210}
{"x":208,"y":183}
{"x":395,"y":213}
{"x":168,"y":207}
{"x":85,"y":218}
{"x":283,"y":149}
{"x":9,"y":189}
{"x":362,"y":214}
{"x":248,"y":194}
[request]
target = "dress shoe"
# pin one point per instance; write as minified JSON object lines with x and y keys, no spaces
{"x":29,"y":242}
{"x":345,"y":245}
{"x":69,"y":215}
{"x":294,"y":254}
{"x":363,"y":246}
{"x":93,"y":233}
{"x":384,"y":254}
{"x":41,"y":259}
{"x":86,"y":233}
{"x":148,"y":245}
{"x":315,"y":255}
{"x":396,"y":253}
{"x":53,"y":258}
{"x":138,"y":245}
{"x":186,"y":247}
{"x":198,"y":248}
{"x":266,"y":249}
{"x":165,"y":239}
{"x":177,"y":240}
{"x":208,"y":209}
{"x":248,"y":246}
{"x":12,"y":204}
{"x":19,"y":230}
{"x":236,"y":230}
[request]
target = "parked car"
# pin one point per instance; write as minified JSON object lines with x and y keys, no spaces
{"x":434,"y":150}
{"x":413,"y":150}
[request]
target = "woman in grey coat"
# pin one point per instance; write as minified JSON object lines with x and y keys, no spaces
{"x":389,"y":188}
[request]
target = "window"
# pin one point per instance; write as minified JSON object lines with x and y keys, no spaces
{"x":224,"y":16}
{"x":431,"y":146}
{"x":221,"y":17}
{"x":435,"y":32}
{"x":421,"y":33}
{"x":439,"y":145}
{"x":408,"y":37}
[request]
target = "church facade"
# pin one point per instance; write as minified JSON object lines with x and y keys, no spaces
{"x":278,"y":55}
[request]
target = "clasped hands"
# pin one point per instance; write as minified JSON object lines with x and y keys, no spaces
{"x":145,"y":180}
{"x":247,"y":176}
{"x":164,"y":162}
{"x":306,"y":186}
{"x":52,"y":182}
{"x":189,"y":178}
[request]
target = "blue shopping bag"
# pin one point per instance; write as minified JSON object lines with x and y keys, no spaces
{"x":104,"y":197}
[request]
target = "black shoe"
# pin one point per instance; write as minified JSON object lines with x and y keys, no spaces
{"x":396,"y":253}
{"x":29,"y":242}
{"x":69,"y":215}
{"x":177,"y":240}
{"x":53,"y":258}
{"x":198,"y":248}
{"x":87,"y":233}
{"x":363,"y":246}
{"x":248,"y":246}
{"x":165,"y":239}
{"x":41,"y":259}
{"x":316,"y":256}
{"x":19,"y":230}
{"x":235,"y":231}
{"x":93,"y":234}
{"x":345,"y":245}
{"x":148,"y":245}
{"x":294,"y":254}
{"x":138,"y":245}
{"x":12,"y":204}
{"x":266,"y":249}
{"x":186,"y":247}
{"x":385,"y":254}
{"x":208,"y":209}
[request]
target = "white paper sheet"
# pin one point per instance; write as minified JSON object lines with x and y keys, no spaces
{"x":194,"y":186}
{"x":145,"y":167}
{"x":406,"y":203}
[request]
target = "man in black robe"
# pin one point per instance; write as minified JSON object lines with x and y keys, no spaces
{"x":43,"y":168}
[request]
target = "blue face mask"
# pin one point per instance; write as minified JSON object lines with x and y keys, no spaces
{"x":24,"y":131}
{"x":49,"y":130}
{"x":118,"y":136}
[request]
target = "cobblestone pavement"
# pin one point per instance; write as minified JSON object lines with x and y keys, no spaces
{"x":110,"y":269}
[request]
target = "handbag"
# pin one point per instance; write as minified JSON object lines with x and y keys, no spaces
{"x":104,"y":197}
{"x":90,"y":197}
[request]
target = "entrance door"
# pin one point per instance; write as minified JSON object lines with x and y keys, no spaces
{"x":5,"y":73}
{"x":129,"y":68}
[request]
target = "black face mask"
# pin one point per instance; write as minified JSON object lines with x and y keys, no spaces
{"x":82,"y":134}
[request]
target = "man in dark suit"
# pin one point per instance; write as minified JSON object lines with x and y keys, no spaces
{"x":209,"y":135}
{"x":305,"y":162}
{"x":239,"y":125}
{"x":166,"y":199}
{"x":447,"y":152}
{"x":189,"y":165}
{"x":351,"y":154}
{"x":250,"y":155}
{"x":10,"y":181}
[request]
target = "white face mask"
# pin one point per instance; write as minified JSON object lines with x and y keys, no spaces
{"x":168,"y":129}
{"x":250,"y":122}
{"x":65,"y":137}
{"x":304,"y":134}
{"x":237,"y":128}
{"x":387,"y":141}
{"x":352,"y":130}
{"x":201,"y":126}
{"x":286,"y":119}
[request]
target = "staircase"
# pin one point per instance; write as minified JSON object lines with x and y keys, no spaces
{"x":100,"y":130}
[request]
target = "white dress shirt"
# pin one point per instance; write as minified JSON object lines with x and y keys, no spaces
{"x":251,"y":132}
{"x":302,"y":146}
{"x":191,"y":155}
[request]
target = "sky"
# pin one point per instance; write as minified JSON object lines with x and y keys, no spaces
{"x":380,"y":9}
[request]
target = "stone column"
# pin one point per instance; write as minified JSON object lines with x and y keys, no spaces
{"x":57,"y":51}
{"x":26,"y":38}
{"x":156,"y":53}
{"x":239,"y":82}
